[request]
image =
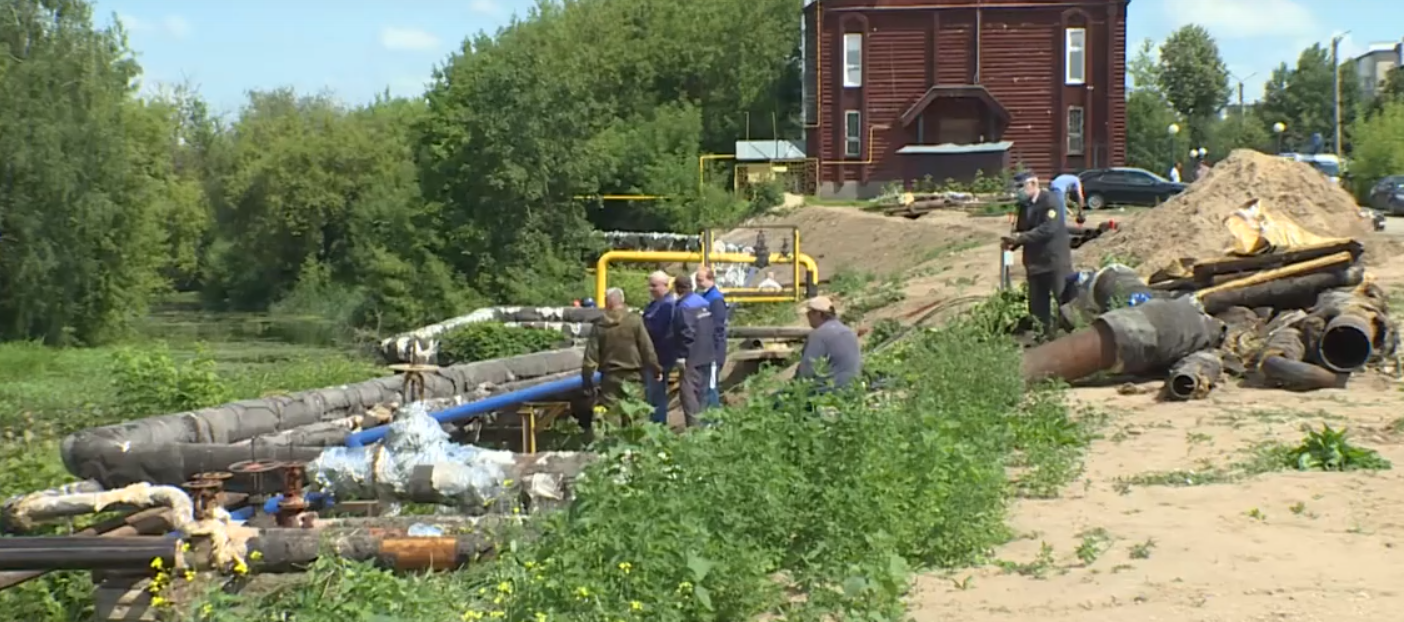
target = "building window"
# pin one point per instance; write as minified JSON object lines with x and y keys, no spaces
{"x":852,"y":60}
{"x":1076,"y":128}
{"x":852,"y":134}
{"x":1075,"y":55}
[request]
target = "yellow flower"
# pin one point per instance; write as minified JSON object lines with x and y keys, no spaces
{"x":540,"y":617}
{"x":600,"y":410}
{"x":157,"y":563}
{"x":497,"y":600}
{"x":190,"y":575}
{"x":506,"y":483}
{"x":625,"y":567}
{"x":582,"y":592}
{"x":635,"y":605}
{"x":157,"y":601}
{"x":505,"y":587}
{"x":529,"y":565}
{"x":206,"y":610}
{"x":472,"y":615}
{"x":240,"y":567}
{"x":685,"y":586}
{"x":256,"y":555}
{"x":185,"y":547}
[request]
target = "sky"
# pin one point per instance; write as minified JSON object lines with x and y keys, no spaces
{"x":360,"y":49}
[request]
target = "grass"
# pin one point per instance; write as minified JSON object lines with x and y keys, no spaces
{"x":777,"y":510}
{"x":46,"y":393}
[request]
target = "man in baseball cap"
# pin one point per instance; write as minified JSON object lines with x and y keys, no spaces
{"x":831,"y":341}
{"x":1042,"y":231}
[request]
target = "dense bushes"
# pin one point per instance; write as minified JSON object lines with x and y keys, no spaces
{"x":481,"y":341}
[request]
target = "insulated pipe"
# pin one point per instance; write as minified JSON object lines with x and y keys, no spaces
{"x":1194,"y":376}
{"x":480,"y":407}
{"x":292,"y":550}
{"x":1127,"y":340}
{"x":1347,"y":343}
{"x":602,"y":266}
{"x":1078,"y":355}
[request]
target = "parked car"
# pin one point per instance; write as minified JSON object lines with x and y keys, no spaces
{"x":1387,"y":196}
{"x":1126,"y":186}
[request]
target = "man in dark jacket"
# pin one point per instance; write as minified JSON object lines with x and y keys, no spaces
{"x":716,"y":303}
{"x":620,"y":349}
{"x":658,"y":319}
{"x":1042,"y":231}
{"x":695,"y":337}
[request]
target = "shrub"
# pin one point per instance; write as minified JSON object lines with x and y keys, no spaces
{"x":481,"y":341}
{"x":151,"y":382}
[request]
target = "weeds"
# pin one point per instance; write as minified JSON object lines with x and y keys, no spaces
{"x":1142,"y":550}
{"x":1329,"y":450}
{"x":481,"y":341}
{"x":1094,"y":543}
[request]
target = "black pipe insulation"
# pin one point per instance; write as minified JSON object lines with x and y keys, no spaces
{"x":169,"y":449}
{"x":1296,"y":292}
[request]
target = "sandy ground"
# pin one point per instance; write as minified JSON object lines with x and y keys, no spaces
{"x":1275,"y":546}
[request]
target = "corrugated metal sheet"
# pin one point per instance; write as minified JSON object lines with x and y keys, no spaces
{"x":1118,"y":85}
{"x":767,"y":150}
{"x":955,"y":41}
{"x":949,"y":148}
{"x":897,"y":77}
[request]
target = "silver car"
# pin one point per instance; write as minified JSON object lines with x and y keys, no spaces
{"x":1387,"y":196}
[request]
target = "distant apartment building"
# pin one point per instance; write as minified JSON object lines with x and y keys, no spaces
{"x":1374,"y":66}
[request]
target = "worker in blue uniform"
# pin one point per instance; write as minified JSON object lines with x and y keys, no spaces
{"x":716,"y":302}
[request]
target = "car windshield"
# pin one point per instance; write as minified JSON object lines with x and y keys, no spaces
{"x":1329,"y":169}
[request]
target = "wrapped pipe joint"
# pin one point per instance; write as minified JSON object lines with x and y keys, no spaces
{"x":1137,"y":339}
{"x":1194,"y":376}
{"x":1282,"y":367}
{"x":1347,"y":343}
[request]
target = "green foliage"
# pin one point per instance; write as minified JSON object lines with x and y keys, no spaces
{"x":151,"y":382}
{"x":481,"y":341}
{"x":77,"y":211}
{"x":1000,"y":314}
{"x":1303,"y":98}
{"x":1193,"y":77}
{"x":1328,"y":449}
{"x":1148,"y":114}
{"x":1379,"y":147}
{"x":829,"y":484}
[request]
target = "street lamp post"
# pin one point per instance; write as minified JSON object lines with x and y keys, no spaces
{"x":1172,"y":131}
{"x":1279,"y":128}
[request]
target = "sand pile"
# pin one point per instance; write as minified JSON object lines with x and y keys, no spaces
{"x":1192,"y":224}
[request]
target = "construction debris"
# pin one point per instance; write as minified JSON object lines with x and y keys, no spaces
{"x":1279,"y":304}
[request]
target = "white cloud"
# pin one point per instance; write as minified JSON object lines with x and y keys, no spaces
{"x":1243,"y":19}
{"x":176,"y":26}
{"x":485,"y":7}
{"x":407,"y":39}
{"x":170,"y":25}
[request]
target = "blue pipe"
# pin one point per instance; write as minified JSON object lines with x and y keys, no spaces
{"x":317,"y":500}
{"x":480,"y":407}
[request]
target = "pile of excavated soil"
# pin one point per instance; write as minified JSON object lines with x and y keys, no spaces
{"x":846,"y":238}
{"x":1191,"y":224}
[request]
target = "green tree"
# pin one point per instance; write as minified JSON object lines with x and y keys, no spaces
{"x":1303,"y":98}
{"x":1194,"y":78}
{"x":1148,"y":115}
{"x":80,"y":241}
{"x":1379,"y":147}
{"x":1391,"y":90}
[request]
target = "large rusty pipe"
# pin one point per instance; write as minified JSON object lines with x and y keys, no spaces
{"x":1078,"y":355}
{"x":291,"y":550}
{"x":1347,"y":343}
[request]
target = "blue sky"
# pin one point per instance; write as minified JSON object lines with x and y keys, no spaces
{"x":358,"y":49}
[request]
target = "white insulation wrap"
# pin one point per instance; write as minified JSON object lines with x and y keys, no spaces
{"x":466,"y":475}
{"x":397,"y":349}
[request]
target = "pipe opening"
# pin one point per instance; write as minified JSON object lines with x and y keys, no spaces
{"x":1182,"y":386}
{"x":1345,"y":348}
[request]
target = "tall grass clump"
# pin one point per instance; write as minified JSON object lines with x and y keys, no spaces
{"x":797,"y":505}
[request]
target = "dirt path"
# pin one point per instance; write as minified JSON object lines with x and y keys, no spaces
{"x":1277,"y":546}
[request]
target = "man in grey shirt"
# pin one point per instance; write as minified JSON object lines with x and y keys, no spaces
{"x":832,"y":341}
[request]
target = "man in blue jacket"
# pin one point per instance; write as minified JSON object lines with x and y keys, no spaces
{"x":695,"y":340}
{"x":658,"y":319}
{"x":707,"y":288}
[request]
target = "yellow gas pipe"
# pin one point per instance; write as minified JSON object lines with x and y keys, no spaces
{"x":602,"y":268}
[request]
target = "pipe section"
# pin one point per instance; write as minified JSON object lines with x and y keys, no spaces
{"x":1194,"y":376}
{"x":1293,"y":375}
{"x":602,"y":265}
{"x":481,"y":407}
{"x":146,"y":522}
{"x":1078,"y":355}
{"x":1347,"y":343}
{"x":85,"y":553}
{"x":1133,"y":340}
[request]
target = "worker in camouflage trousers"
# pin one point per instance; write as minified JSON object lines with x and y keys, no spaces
{"x":620,"y":349}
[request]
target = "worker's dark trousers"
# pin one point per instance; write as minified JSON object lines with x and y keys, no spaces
{"x":1045,"y":289}
{"x":691,"y":388}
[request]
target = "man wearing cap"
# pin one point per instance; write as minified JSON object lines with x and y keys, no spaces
{"x":831,"y":341}
{"x":707,"y":288}
{"x":1042,"y":231}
